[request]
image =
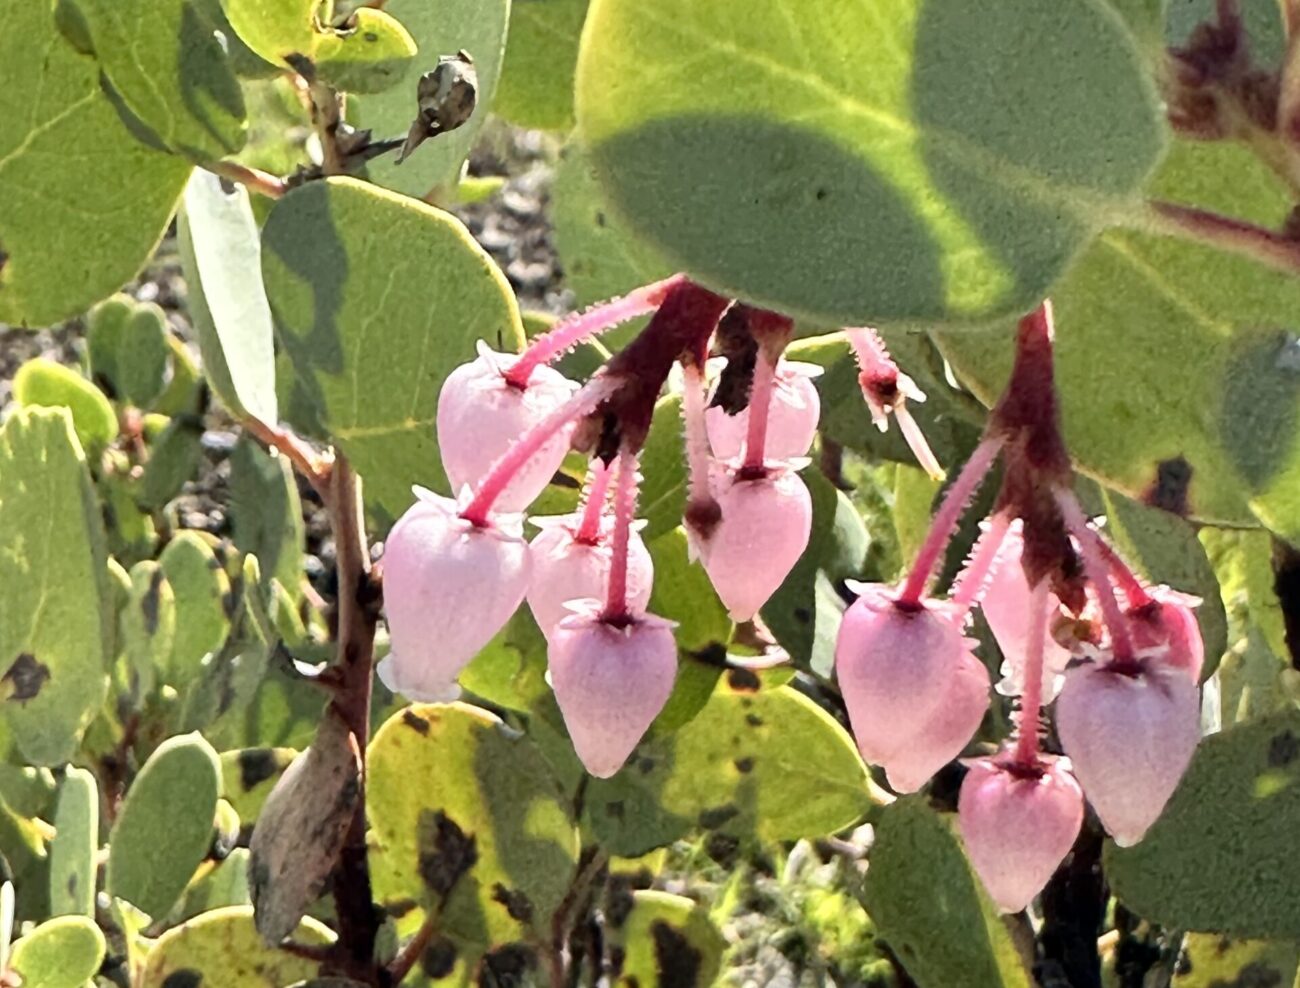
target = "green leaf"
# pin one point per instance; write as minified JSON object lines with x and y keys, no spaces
{"x":1218,"y":859}
{"x":510,"y":671}
{"x":174,"y":458}
{"x":1219,"y":433}
{"x":377,"y":298}
{"x":667,"y":941}
{"x":147,"y":627}
{"x":226,"y":885}
{"x":43,"y":383}
{"x":221,"y":250}
{"x":275,"y":29}
{"x":872,"y":162}
{"x":55,"y":622}
{"x":60,"y":953}
{"x":1146,"y":19}
{"x":266,"y":512}
{"x":804,"y":614}
{"x":482,"y":787}
{"x":602,"y":258}
{"x":75,"y":844}
{"x":663,"y":464}
{"x":249,"y":774}
{"x":164,"y":827}
{"x":682,"y":592}
{"x":222,"y":947}
{"x":202,"y":601}
{"x":65,"y":243}
{"x":542,"y":54}
{"x":1164,"y":548}
{"x":371,"y":54}
{"x":170,"y":71}
{"x":930,"y":907}
{"x":443,"y":28}
{"x":127,"y":342}
{"x":769,"y":764}
{"x":1209,"y":961}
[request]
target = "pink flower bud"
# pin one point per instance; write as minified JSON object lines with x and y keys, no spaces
{"x":792,"y":417}
{"x":895,"y":667}
{"x":1168,"y":626}
{"x":1005,"y":604}
{"x":480,"y":416}
{"x":448,"y":588}
{"x":610,"y":681}
{"x":764,"y":529}
{"x":1018,"y":823}
{"x":948,"y":730}
{"x":565,"y":569}
{"x":1130,"y":732}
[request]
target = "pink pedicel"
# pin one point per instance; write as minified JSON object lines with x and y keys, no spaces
{"x":765,"y":525}
{"x":1130,"y":730}
{"x":1167,"y":625}
{"x":480,"y":415}
{"x":895,"y":664}
{"x":449,"y":586}
{"x":1018,"y":823}
{"x":1005,"y":605}
{"x":947,"y":732}
{"x":610,"y":680}
{"x":793,"y":414}
{"x":566,"y":568}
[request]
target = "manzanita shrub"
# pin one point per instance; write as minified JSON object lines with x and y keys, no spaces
{"x":884,"y":571}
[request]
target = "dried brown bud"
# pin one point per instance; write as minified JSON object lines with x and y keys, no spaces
{"x":446,"y":97}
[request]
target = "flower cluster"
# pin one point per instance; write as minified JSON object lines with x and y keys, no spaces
{"x":455,"y":570}
{"x":1075,"y":625}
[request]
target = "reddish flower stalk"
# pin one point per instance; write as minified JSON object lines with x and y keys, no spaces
{"x":598,"y":474}
{"x":974,"y":576}
{"x":1096,"y":565}
{"x":760,"y":403}
{"x":1031,"y":700}
{"x":886,"y":389}
{"x":597,"y":390}
{"x":616,"y":610}
{"x":945,"y":520}
{"x":572,"y":331}
{"x":1119,"y":570}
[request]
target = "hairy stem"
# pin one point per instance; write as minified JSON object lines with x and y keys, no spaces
{"x":263,"y":183}
{"x":598,"y":474}
{"x":358,"y":615}
{"x":1096,"y":566}
{"x":490,"y":487}
{"x":945,"y":521}
{"x":1031,"y":700}
{"x":573,"y":330}
{"x":624,"y":511}
{"x":1233,"y":235}
{"x":975,"y":575}
{"x":760,"y":407}
{"x":327,"y":118}
{"x":1128,"y":581}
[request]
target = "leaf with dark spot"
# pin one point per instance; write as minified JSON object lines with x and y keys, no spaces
{"x":183,"y":978}
{"x":256,"y":765}
{"x":446,"y":852}
{"x":678,"y":962}
{"x":415,"y":722}
{"x":149,"y":602}
{"x":753,"y":720}
{"x":438,"y":959}
{"x":507,"y":967}
{"x":744,"y":765}
{"x":516,"y":903}
{"x":715,"y":816}
{"x":743,"y":680}
{"x":1283,"y":749}
{"x":25,"y":677}
{"x":722,"y":848}
{"x":1169,"y":490}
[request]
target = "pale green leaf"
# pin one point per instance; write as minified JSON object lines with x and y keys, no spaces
{"x":170,"y":71}
{"x":164,"y":826}
{"x":201,"y":590}
{"x":147,"y":627}
{"x":377,"y":298}
{"x":370,"y":54}
{"x":60,"y":953}
{"x":439,"y":28}
{"x":541,"y":57}
{"x":127,"y":343}
{"x":66,"y":240}
{"x":1211,"y":961}
{"x":275,"y":29}
{"x":41,"y":382}
{"x":266,"y":512}
{"x":54,"y":625}
{"x":75,"y":844}
{"x":222,"y":253}
{"x":880,"y":161}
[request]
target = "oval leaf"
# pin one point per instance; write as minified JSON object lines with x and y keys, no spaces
{"x":665,"y":941}
{"x":44,"y":383}
{"x":76,"y":841}
{"x":60,"y":953}
{"x":541,"y":57}
{"x":873,"y":161}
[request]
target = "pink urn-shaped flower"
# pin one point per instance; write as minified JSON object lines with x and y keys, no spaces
{"x":764,"y":528}
{"x":566,"y":569}
{"x":1018,"y":823}
{"x":610,"y":680}
{"x":481,"y":415}
{"x":449,"y":586}
{"x":793,"y":414}
{"x":947,"y":731}
{"x":1130,"y":731}
{"x":1168,"y":626}
{"x":896,"y":664}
